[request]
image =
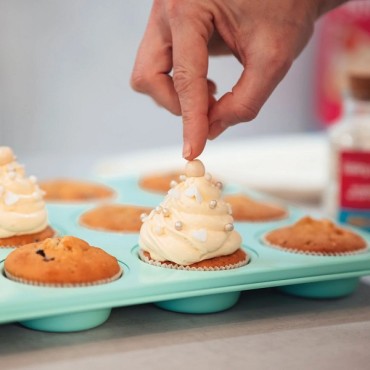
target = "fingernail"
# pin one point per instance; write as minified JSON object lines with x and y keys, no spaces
{"x":186,"y":151}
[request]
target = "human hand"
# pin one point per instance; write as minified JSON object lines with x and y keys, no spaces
{"x":265,"y":36}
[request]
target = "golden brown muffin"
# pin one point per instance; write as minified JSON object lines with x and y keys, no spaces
{"x":159,"y":183}
{"x":247,"y":209}
{"x":114,"y":217}
{"x":316,"y":237}
{"x":63,"y":261}
{"x":234,"y":260}
{"x":69,"y":190}
{"x":19,"y":240}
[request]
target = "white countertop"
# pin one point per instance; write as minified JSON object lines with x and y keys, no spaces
{"x":264,"y":330}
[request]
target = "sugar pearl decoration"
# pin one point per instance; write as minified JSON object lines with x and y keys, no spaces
{"x":182,"y":177}
{"x":143,"y":216}
{"x":6,"y":155}
{"x":165,"y":212}
{"x":194,"y":168}
{"x":219,"y":185}
{"x":173,"y":183}
{"x":213,"y":204}
{"x":11,"y":175}
{"x":229,"y":227}
{"x":178,"y":225}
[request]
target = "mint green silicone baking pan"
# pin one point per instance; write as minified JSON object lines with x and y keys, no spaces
{"x":72,"y":309}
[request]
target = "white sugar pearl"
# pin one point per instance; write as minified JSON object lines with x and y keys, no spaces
{"x":219,"y":185}
{"x":178,"y":225}
{"x":229,"y":227}
{"x":208,"y":176}
{"x":11,"y":175}
{"x":6,"y":155}
{"x":158,"y":209}
{"x":213,"y":204}
{"x":194,"y":168}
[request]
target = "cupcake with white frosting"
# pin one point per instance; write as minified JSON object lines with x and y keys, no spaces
{"x":193,"y":227}
{"x":23,"y":215}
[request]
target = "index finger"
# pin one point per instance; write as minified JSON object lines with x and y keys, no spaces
{"x":190,"y":68}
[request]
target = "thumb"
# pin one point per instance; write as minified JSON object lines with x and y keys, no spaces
{"x":259,"y":78}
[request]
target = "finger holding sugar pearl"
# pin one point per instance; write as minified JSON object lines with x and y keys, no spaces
{"x":194,"y":169}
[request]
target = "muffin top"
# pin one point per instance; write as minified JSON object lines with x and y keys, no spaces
{"x":159,"y":182}
{"x":316,"y":236}
{"x":22,"y":208}
{"x":114,"y":217}
{"x":192,"y":223}
{"x":247,"y":209}
{"x":62,"y":261}
{"x":70,"y":190}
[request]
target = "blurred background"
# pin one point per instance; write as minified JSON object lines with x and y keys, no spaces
{"x":65,"y":94}
{"x":64,"y":82}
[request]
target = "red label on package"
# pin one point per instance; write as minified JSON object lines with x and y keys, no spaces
{"x":354,"y":176}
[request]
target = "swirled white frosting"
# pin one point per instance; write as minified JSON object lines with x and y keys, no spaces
{"x":192,"y":223}
{"x":22,"y":208}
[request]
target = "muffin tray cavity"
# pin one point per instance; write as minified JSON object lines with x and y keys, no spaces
{"x":81,"y":308}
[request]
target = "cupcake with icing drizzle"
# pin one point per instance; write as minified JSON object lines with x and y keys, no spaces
{"x":23,"y":215}
{"x":193,"y":227}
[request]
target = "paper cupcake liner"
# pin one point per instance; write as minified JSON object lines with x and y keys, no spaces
{"x":55,"y":235}
{"x":61,"y":285}
{"x":189,"y":268}
{"x":9,"y":246}
{"x":311,"y":253}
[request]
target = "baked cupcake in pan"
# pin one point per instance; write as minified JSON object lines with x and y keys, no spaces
{"x":192,"y":228}
{"x":248,"y":209}
{"x":159,"y":182}
{"x":23,"y":214}
{"x":317,"y":237}
{"x":61,"y":262}
{"x":123,"y":218}
{"x":72,"y":190}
